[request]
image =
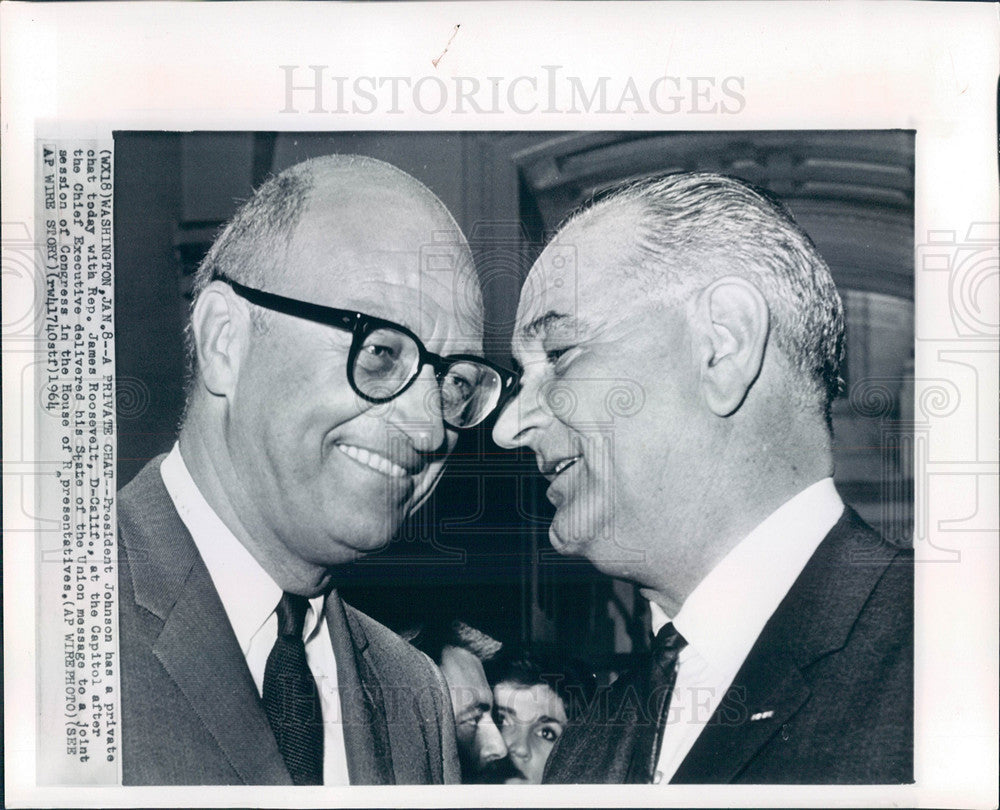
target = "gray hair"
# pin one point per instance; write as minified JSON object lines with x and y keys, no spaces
{"x":252,"y":246}
{"x":696,"y":227}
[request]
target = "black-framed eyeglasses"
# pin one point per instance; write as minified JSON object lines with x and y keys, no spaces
{"x":385,"y":358}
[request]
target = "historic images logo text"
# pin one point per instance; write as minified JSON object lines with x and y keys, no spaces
{"x":316,"y":89}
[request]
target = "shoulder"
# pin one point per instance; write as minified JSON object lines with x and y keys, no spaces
{"x":391,"y":652}
{"x":888,"y":611}
{"x":856,"y":618}
{"x":856,"y":586}
{"x":891,"y":566}
{"x":146,"y":479}
{"x":854,"y":561}
{"x":143,"y":498}
{"x":155,"y":552}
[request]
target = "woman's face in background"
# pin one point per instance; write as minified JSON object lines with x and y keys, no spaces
{"x":531,"y":719}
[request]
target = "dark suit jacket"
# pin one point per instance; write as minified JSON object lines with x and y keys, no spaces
{"x":191,"y":713}
{"x":833,"y":666}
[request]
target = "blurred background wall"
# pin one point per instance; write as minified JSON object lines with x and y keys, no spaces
{"x":479,"y":549}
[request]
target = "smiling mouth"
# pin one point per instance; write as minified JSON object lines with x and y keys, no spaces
{"x":555,"y":470}
{"x":372,"y":460}
{"x":564,"y":465}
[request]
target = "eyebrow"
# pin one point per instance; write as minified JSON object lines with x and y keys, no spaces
{"x":550,"y":321}
{"x":544,"y":718}
{"x":479,"y":708}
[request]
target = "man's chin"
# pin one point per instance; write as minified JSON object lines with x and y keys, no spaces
{"x":568,"y":545}
{"x":497,"y":772}
{"x":556,"y":539}
{"x":352,"y":540}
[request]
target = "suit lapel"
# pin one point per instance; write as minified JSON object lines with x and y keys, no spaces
{"x":768,"y":683}
{"x":815,"y":618}
{"x":601,"y":746}
{"x":215,"y":679}
{"x":196,"y":644}
{"x":366,"y":735}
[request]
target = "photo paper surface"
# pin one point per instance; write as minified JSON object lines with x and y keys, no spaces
{"x":121,"y":170}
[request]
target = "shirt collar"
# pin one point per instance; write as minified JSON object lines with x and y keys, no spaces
{"x":248,"y":593}
{"x":725,"y":613}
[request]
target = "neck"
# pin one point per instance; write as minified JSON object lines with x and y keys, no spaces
{"x":207,"y":459}
{"x":746,"y":485}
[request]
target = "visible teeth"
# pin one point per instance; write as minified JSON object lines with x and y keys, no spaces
{"x":562,"y":465}
{"x":370,"y":459}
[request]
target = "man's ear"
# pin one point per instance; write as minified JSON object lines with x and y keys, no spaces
{"x":220,"y":324}
{"x":734,"y":320}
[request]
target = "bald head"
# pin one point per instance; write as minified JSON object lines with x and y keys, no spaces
{"x":350,"y":206}
{"x":359,"y":191}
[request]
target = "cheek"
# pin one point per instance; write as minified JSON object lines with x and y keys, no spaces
{"x":542,"y":748}
{"x":429,"y":477}
{"x":465,"y":734}
{"x":644,"y":442}
{"x":269,"y":389}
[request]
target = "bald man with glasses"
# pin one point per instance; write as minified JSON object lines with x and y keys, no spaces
{"x":334,"y":342}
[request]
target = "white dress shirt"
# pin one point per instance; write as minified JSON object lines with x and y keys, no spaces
{"x":250,"y":598}
{"x":723,"y":616}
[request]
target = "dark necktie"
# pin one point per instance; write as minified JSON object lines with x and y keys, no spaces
{"x":664,"y":653}
{"x":291,"y":700}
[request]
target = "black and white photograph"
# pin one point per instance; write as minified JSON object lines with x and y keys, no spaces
{"x":672,"y":415}
{"x":408,"y":407}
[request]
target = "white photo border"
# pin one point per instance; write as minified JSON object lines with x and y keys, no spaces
{"x":86,"y":70}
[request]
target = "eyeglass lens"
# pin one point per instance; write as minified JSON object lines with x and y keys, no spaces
{"x":387,"y":360}
{"x":468,"y":393}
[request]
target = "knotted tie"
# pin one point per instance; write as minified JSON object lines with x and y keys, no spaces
{"x":291,"y":700}
{"x":664,"y":653}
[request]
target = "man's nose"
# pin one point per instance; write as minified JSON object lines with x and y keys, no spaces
{"x":490,"y":740}
{"x":417,"y":412}
{"x":522,"y":413}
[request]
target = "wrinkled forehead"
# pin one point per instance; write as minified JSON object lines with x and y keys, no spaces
{"x":551,"y":285}
{"x":465,"y":675}
{"x":393,"y":254}
{"x":578,"y":281}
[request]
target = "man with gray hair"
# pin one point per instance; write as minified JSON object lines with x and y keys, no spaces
{"x":784,"y":624}
{"x":334,"y":340}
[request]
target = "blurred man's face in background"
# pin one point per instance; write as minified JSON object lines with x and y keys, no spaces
{"x":480,"y":745}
